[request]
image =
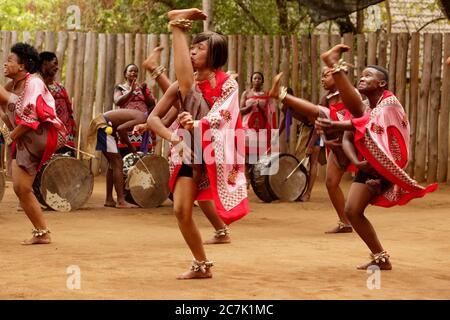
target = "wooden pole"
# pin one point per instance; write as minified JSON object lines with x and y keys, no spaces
{"x":422,"y":110}
{"x":50,"y":44}
{"x":361,"y":55}
{"x":267,"y":63}
{"x":433,"y":120}
{"x":349,"y":56}
{"x":444,"y":128}
{"x":400,"y":72}
{"x":314,"y":69}
{"x":413,"y":96}
{"x":88,"y":84}
{"x":372,"y":48}
{"x":241,"y":67}
{"x":111,"y":42}
{"x":60,"y":51}
{"x":392,"y":60}
{"x":382,"y":49}
{"x":120,"y":58}
{"x":70,"y":66}
{"x":78,"y":84}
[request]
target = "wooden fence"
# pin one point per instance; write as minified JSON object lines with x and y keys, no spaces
{"x":91,"y":64}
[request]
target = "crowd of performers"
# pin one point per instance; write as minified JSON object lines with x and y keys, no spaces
{"x":365,"y":130}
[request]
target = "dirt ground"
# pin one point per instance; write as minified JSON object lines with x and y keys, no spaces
{"x":278,"y":251}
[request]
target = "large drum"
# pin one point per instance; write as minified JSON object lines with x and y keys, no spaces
{"x":64,"y":183}
{"x":270,"y":181}
{"x":146,"y":179}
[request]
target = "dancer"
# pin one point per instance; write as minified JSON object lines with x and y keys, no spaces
{"x":151,"y":64}
{"x":103,"y":135}
{"x":48,"y":68}
{"x":35,"y":131}
{"x":381,"y":139}
{"x":211,"y":96}
{"x":337,"y":163}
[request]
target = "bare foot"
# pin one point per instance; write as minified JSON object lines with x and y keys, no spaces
{"x":195,"y":275}
{"x":382,"y":265}
{"x":125,"y":205}
{"x":218,"y":240}
{"x":306,"y":197}
{"x":275,"y":90}
{"x":340,"y":228}
{"x":111,"y":204}
{"x":45,"y":239}
{"x":190,"y":14}
{"x":153,"y":60}
{"x":333,"y":55}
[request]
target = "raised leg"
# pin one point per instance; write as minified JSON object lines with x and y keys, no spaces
{"x":222,"y":232}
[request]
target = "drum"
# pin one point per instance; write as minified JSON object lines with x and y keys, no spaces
{"x":146,"y":179}
{"x":2,"y":184}
{"x":63,"y":183}
{"x":270,"y":181}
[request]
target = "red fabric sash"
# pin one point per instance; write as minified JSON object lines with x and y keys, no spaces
{"x":382,"y":138}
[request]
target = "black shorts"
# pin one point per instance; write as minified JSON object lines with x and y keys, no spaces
{"x":363,"y":177}
{"x":186,"y":171}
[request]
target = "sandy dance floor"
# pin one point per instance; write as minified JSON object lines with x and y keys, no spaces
{"x":278,"y":251}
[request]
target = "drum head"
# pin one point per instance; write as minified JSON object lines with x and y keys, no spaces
{"x":287,"y":189}
{"x":65,"y":183}
{"x":148,"y":181}
{"x":259,"y":179}
{"x":2,"y":185}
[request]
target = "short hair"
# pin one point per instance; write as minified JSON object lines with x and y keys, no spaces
{"x":217,"y":48}
{"x":46,"y":56}
{"x":257,"y":72}
{"x":381,"y":70}
{"x":290,"y":91}
{"x":126,"y":68}
{"x":28,"y":56}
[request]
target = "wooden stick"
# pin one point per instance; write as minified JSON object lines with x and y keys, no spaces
{"x":83,"y":152}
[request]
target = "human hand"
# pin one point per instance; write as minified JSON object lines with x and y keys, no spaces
{"x":140,"y":128}
{"x":186,"y":121}
{"x":366,"y":167}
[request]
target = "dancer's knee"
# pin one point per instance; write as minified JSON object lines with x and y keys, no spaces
{"x":183,"y":214}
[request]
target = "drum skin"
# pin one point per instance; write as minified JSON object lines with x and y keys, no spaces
{"x":259,"y":179}
{"x":147,"y":182}
{"x":292,"y":188}
{"x":268,"y":178}
{"x":64,"y":183}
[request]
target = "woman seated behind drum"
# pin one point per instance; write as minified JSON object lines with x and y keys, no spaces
{"x":134,"y":96}
{"x":104,"y":132}
{"x":35,"y":130}
{"x":337,"y":162}
{"x":208,"y":89}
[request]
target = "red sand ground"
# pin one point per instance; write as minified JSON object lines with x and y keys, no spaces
{"x":279,"y":251}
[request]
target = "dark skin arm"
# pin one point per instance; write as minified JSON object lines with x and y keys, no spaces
{"x":243,"y":108}
{"x":149,"y":101}
{"x":120,"y":98}
{"x":351,"y":153}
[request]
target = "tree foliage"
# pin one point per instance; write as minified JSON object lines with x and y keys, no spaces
{"x":150,"y":16}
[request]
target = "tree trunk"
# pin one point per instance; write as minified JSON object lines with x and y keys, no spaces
{"x":208,"y":9}
{"x":282,"y":15}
